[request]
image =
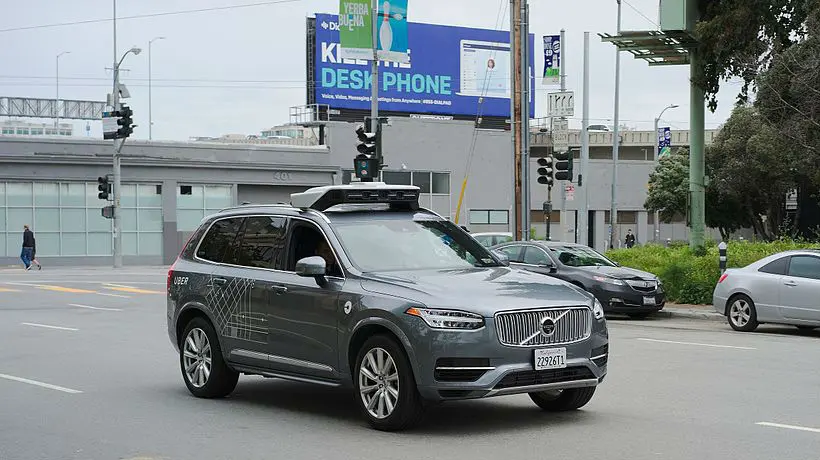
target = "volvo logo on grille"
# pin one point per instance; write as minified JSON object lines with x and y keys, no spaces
{"x":547,"y":326}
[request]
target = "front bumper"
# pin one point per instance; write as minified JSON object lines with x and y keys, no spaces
{"x":625,"y":299}
{"x":469,"y":365}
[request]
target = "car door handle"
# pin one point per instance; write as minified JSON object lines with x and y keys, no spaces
{"x":219,"y":281}
{"x":279,"y":289}
{"x":790,"y":283}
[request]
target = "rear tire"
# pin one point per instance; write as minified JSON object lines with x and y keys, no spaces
{"x":386,"y":390}
{"x":200,"y":359}
{"x":563,"y":400}
{"x":742,"y":314}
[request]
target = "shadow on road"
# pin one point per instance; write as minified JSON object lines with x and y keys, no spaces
{"x":455,"y":417}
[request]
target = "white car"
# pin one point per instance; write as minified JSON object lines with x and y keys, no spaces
{"x":783,"y":288}
{"x":490,"y":239}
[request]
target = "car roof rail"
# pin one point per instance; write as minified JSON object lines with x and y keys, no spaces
{"x":247,"y":204}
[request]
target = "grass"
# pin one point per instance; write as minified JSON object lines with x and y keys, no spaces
{"x":690,"y":276}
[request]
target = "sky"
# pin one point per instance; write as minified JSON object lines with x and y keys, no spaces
{"x":239,"y":70}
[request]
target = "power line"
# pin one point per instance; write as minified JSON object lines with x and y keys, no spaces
{"x":149,"y":15}
{"x":642,"y":15}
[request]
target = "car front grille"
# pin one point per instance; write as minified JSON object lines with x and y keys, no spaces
{"x":527,"y":378}
{"x":524,"y":328}
{"x":645,"y":286}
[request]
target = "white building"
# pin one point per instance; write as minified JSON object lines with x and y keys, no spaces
{"x":16,"y":127}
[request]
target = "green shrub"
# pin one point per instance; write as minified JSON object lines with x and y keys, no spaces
{"x":690,"y":276}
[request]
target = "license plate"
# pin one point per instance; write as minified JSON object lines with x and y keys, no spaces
{"x":649,"y":300}
{"x":550,"y":358}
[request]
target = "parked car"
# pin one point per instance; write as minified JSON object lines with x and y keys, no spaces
{"x":619,"y":289}
{"x":355,"y":285}
{"x":490,"y":239}
{"x":783,"y":288}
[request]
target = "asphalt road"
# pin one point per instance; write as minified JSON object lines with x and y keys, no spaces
{"x":87,"y":372}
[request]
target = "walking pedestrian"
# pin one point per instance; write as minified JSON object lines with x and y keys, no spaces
{"x":630,"y":239}
{"x":34,"y":257}
{"x":28,"y":247}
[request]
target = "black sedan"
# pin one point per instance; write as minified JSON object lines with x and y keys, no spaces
{"x":619,"y":289}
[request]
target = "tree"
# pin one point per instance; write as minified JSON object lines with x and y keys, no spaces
{"x":738,"y":38}
{"x":669,"y":187}
{"x":752,"y":165}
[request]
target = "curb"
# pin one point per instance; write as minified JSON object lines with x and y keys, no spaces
{"x":701,"y":314}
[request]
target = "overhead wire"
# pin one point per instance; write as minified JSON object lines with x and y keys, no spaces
{"x":148,"y":15}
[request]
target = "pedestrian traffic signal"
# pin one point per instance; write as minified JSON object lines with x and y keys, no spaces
{"x":104,"y":187}
{"x":563,"y":166}
{"x":546,"y":170}
{"x":126,"y":122}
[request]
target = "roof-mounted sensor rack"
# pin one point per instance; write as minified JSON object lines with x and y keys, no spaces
{"x":323,"y":198}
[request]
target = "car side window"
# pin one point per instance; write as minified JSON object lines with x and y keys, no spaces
{"x":512,"y":252}
{"x":261,"y":243}
{"x":776,"y":267}
{"x":484,"y":240}
{"x":220,"y":237}
{"x":307,"y":240}
{"x":536,"y":256}
{"x":805,"y":267}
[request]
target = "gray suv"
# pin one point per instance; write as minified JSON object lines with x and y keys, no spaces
{"x":356,"y":285}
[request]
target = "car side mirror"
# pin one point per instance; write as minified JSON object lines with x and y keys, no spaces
{"x":313,"y":266}
{"x":502,"y":258}
{"x":551,"y":266}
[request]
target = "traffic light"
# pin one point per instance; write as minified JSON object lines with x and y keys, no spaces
{"x":104,"y":187}
{"x":125,"y":121}
{"x":545,"y":171}
{"x":563,"y":166}
{"x":368,"y":162}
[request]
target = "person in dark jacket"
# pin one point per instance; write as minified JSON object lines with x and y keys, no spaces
{"x":28,"y":247}
{"x":630,"y":239}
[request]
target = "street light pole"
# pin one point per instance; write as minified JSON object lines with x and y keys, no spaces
{"x":150,"y":98}
{"x":657,"y":224}
{"x":613,"y":209}
{"x":57,"y":101}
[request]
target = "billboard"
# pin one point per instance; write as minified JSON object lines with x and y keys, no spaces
{"x":451,"y":70}
{"x":664,"y":142}
{"x":552,"y":60}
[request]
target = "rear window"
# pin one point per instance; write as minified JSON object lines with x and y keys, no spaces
{"x":220,"y":237}
{"x":777,"y":267}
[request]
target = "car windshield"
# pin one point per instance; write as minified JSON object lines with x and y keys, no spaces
{"x":580,"y":256}
{"x":418,"y":244}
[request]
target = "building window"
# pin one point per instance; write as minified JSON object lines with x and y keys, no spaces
{"x":537,"y":217}
{"x":489,"y":217}
{"x":421,"y":179}
{"x":141,"y":220}
{"x":194,"y":202}
{"x":441,"y":183}
{"x":624,"y":217}
{"x":396,"y":177}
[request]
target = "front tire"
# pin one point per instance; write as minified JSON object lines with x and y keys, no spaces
{"x":742,"y":314}
{"x":563,"y":400}
{"x":385,"y":386}
{"x":200,"y":359}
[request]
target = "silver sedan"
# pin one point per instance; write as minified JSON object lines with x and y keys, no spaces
{"x":783,"y":288}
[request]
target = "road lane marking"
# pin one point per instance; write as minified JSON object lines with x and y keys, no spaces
{"x":789,"y":427}
{"x":93,"y":308}
{"x":2,"y":289}
{"x":51,"y":327}
{"x":40,"y":384}
{"x":49,"y":287}
{"x":697,"y":344}
{"x":135,"y":290}
{"x":114,"y":295}
{"x":119,"y":285}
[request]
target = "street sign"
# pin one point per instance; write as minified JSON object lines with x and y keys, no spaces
{"x":110,"y":125}
{"x":561,"y":104}
{"x":560,"y":135}
{"x":570,"y":192}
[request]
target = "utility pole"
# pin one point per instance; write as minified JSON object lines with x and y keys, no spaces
{"x":57,"y":102}
{"x":374,"y":70}
{"x":525,"y":120}
{"x":563,"y":77}
{"x":115,"y":102}
{"x":583,"y":214}
{"x":613,"y":209}
{"x":657,"y":225}
{"x":517,"y":115}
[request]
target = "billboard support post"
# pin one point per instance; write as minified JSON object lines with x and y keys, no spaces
{"x":517,"y":115}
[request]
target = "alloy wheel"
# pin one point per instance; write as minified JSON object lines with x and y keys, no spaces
{"x":379,"y":383}
{"x":740,"y":312}
{"x":197,"y":358}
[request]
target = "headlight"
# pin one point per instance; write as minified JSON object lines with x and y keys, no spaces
{"x":606,"y":279}
{"x":597,"y":309}
{"x":448,"y":319}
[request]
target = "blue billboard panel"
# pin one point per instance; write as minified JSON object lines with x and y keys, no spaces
{"x":451,"y":71}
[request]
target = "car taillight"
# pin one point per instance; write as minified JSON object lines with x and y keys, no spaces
{"x":722,"y":277}
{"x":170,"y":276}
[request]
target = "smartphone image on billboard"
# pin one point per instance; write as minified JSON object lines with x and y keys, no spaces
{"x":485,"y":69}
